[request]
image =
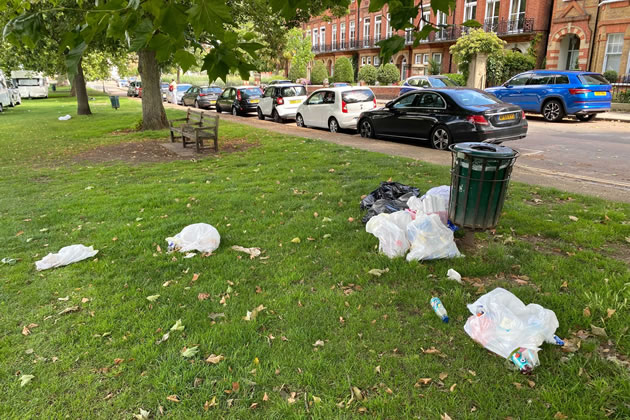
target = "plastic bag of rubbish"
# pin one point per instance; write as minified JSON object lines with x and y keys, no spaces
{"x":390,"y":229}
{"x":430,"y":239}
{"x":65,"y":117}
{"x":66,"y":255}
{"x":199,"y":236}
{"x":388,"y":191}
{"x":503,"y":324}
{"x":435,"y":201}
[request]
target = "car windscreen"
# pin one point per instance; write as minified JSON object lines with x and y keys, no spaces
{"x":354,"y":96}
{"x":183,"y":88}
{"x":251,"y":92}
{"x":441,"y":82}
{"x":293,"y":91}
{"x":211,"y":90}
{"x":593,"y":79}
{"x":473,"y":98}
{"x":28,"y":82}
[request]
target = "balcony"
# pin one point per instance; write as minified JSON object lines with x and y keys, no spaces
{"x":520,"y":25}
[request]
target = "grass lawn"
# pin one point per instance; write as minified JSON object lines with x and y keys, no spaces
{"x":102,"y":361}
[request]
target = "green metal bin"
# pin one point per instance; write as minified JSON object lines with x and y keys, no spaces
{"x":115,"y":100}
{"x":480,"y":175}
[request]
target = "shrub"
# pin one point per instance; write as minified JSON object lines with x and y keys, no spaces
{"x":623,"y":97}
{"x":434,"y":67}
{"x":457,"y":78}
{"x":368,"y":74}
{"x":319,"y":73}
{"x":611,"y":76}
{"x":388,"y":74}
{"x":343,"y":70}
{"x":297,"y":71}
{"x":477,"y":41}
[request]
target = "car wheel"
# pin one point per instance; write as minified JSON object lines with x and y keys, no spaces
{"x":234,"y":111}
{"x":440,"y":138}
{"x":261,"y":116}
{"x":552,"y":111}
{"x":366,"y":129}
{"x":11,"y":104}
{"x":217,"y":108}
{"x":276,"y":116}
{"x":299,"y":121}
{"x":333,"y":125}
{"x":585,"y":118}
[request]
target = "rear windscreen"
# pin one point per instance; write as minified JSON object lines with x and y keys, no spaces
{"x":442,"y":82}
{"x":247,"y":93}
{"x":28,"y":82}
{"x":473,"y":98}
{"x":354,"y":96}
{"x":211,"y":90}
{"x":293,"y":91}
{"x":593,"y":79}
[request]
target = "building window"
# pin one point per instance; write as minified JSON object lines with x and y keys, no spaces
{"x":492,"y":16}
{"x":322,"y":38}
{"x":342,"y":36}
{"x":363,"y":61}
{"x":573,"y":52}
{"x":377,"y":60}
{"x":517,"y":16}
{"x":369,"y":60}
{"x":315,"y":38}
{"x":425,"y":59}
{"x":470,"y":10}
{"x":441,"y":20}
{"x":437,"y":57}
{"x":377,"y":28}
{"x":352,"y":34}
{"x":366,"y":32}
{"x":390,"y":30}
{"x":612,"y":59}
{"x":417,"y":59}
{"x":334,"y":37}
{"x":409,"y":33}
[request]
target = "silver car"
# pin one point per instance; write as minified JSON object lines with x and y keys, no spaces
{"x":14,"y":93}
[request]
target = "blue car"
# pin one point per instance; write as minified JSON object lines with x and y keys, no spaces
{"x":555,"y":93}
{"x":420,"y":82}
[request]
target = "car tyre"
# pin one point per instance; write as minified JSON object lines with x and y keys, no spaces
{"x":585,"y":118}
{"x":261,"y":116}
{"x":552,"y":111}
{"x":276,"y":117}
{"x":440,"y":138}
{"x":234,"y":111}
{"x":333,"y":125}
{"x":366,"y":128}
{"x":217,"y":108}
{"x":299,"y":120}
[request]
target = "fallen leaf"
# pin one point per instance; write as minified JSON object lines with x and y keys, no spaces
{"x":362,"y":410}
{"x":296,"y":240}
{"x":235,"y":386}
{"x":318,"y":343}
{"x":357,"y":393}
{"x":211,"y":403}
{"x":29,"y":351}
{"x":68,"y":310}
{"x":153,"y":298}
{"x":25,"y":379}
{"x":173,"y":398}
{"x":64,"y":299}
{"x":253,"y":252}
{"x":144,"y":415}
{"x":265,"y":397}
{"x":350,"y":219}
{"x":85,"y":300}
{"x":203,"y":296}
{"x":443,"y":376}
{"x":445,"y":417}
{"x":587,"y":312}
{"x":328,"y":219}
{"x":166,"y":283}
{"x":190,"y":352}
{"x":531,"y":384}
{"x":25,"y":330}
{"x":517,"y":385}
{"x":214,"y":359}
{"x":19,"y":233}
{"x":195,"y":277}
{"x":214,"y":316}
{"x":377,"y":369}
{"x":575,"y":219}
{"x":598,"y":331}
{"x":424,"y":381}
{"x":378,"y":272}
{"x":628,"y":239}
{"x":564,"y":285}
{"x":163,"y":339}
{"x":178,"y":326}
{"x":452,"y":388}
{"x":560,"y":416}
{"x":251,"y":315}
{"x":610,"y":312}
{"x":253,"y":406}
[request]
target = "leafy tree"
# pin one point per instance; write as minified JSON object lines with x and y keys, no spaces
{"x":298,"y":52}
{"x":343,"y":70}
{"x":319,"y":73}
{"x":388,"y":74}
{"x":477,"y":41}
{"x":297,"y":71}
{"x":457,"y":78}
{"x":368,"y":74}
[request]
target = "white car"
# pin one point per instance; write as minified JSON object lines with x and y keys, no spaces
{"x":335,"y":108}
{"x":5,"y":93}
{"x":281,"y":101}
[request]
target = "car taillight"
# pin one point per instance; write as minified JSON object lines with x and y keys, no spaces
{"x":477,"y":119}
{"x":238,"y":95}
{"x":203,"y":94}
{"x":523,"y":115}
{"x":374,"y":102}
{"x":579,"y":91}
{"x":344,"y":107}
{"x":279,"y":100}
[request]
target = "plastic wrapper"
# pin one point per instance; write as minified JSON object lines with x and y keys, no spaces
{"x":66,"y":255}
{"x":503,"y":324}
{"x":200,"y":237}
{"x":388,"y":191}
{"x":390,"y":229}
{"x":435,"y":201}
{"x":430,"y":239}
{"x":384,"y":205}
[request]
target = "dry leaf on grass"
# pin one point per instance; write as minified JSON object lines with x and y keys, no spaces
{"x":265,"y":397}
{"x":25,"y":379}
{"x":190,"y":352}
{"x":318,"y":343}
{"x":452,"y":388}
{"x":587,"y":312}
{"x":560,"y":416}
{"x":610,"y":312}
{"x":173,"y":398}
{"x":68,"y":310}
{"x":357,"y":393}
{"x":443,"y":376}
{"x":209,"y":404}
{"x":195,"y":277}
{"x":251,"y":315}
{"x":163,"y":339}
{"x":378,"y":272}
{"x":598,"y":331}
{"x":64,"y":299}
{"x":423,"y":381}
{"x":445,"y":417}
{"x":25,"y":330}
{"x":203,"y":296}
{"x":178,"y":326}
{"x":215,"y":316}
{"x":214,"y":359}
{"x":153,"y":298}
{"x":144,"y":415}
{"x":296,"y":240}
{"x":573,"y":218}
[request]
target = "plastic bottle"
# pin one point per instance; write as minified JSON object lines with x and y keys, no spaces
{"x":524,"y":359}
{"x":438,"y":308}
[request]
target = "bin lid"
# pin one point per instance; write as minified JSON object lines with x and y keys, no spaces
{"x":487,"y":150}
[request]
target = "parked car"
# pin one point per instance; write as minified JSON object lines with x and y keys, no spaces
{"x":335,"y":108}
{"x":279,"y":82}
{"x":31,"y":84}
{"x":340,"y":84}
{"x":123,"y":83}
{"x":176,"y":96}
{"x":134,"y":88}
{"x":164,"y":89}
{"x":281,"y":102}
{"x":239,"y":100}
{"x":202,"y":97}
{"x":555,"y":93}
{"x":419,"y":82}
{"x":16,"y":98}
{"x":445,"y":116}
{"x":5,"y":95}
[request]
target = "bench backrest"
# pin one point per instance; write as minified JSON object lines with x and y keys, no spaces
{"x":194,"y":117}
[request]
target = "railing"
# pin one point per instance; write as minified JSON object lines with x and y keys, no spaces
{"x":621,"y":89}
{"x":508,"y":27}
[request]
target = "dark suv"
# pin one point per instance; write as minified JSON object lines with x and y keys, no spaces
{"x":239,"y":100}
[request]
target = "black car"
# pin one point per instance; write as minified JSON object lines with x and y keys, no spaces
{"x":202,"y":97}
{"x":239,"y":100}
{"x":446,"y":116}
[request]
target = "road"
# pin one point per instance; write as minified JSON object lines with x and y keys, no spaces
{"x":589,"y":158}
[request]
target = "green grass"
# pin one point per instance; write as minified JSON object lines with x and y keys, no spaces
{"x":264,"y":197}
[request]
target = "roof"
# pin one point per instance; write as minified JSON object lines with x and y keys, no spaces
{"x":245,"y":87}
{"x":561,"y":72}
{"x":344,"y":88}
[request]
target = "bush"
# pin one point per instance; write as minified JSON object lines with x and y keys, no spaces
{"x":434,"y":67}
{"x":319,"y":73}
{"x":611,"y":76}
{"x":388,"y":74}
{"x":507,"y":64}
{"x":457,"y":78}
{"x":343,"y":70}
{"x":297,"y":71}
{"x":477,"y":41}
{"x":622,"y":97}
{"x":368,"y":74}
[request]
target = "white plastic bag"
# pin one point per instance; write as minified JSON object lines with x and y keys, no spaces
{"x":504,"y":325}
{"x":435,"y":201}
{"x":454,"y":275}
{"x":430,"y":239}
{"x":201,"y":237}
{"x":66,"y":255}
{"x":65,"y":117}
{"x":390,"y":229}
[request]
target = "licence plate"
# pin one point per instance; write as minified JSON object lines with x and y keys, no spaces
{"x":600,"y":93}
{"x":507,"y":117}
{"x":295,"y":101}
{"x":254,"y":101}
{"x":213,"y":102}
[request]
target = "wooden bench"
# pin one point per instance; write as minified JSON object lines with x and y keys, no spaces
{"x":195,"y":128}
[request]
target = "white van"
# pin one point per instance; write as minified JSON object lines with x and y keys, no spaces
{"x":31,"y":84}
{"x":5,"y":94}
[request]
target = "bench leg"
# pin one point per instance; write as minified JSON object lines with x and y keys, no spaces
{"x":172,"y":137}
{"x":198,"y":142}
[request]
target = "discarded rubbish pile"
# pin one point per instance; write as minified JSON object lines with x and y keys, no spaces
{"x":66,"y":255}
{"x":504,"y":325}
{"x":200,"y":237}
{"x":408,"y":223}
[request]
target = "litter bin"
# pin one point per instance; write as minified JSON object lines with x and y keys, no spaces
{"x":479,"y":179}
{"x":115,"y":100}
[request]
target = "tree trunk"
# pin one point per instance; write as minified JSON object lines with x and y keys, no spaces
{"x":83,"y":106}
{"x":178,"y":73}
{"x":153,"y":115}
{"x":73,"y":89}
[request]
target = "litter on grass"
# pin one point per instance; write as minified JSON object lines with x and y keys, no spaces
{"x":390,"y":197}
{"x":65,"y":118}
{"x":454,"y":275}
{"x":430,"y":239}
{"x":10,"y":261}
{"x":504,"y":325}
{"x":66,"y":255}
{"x":200,"y":237}
{"x":390,"y":229}
{"x":439,"y":309}
{"x":253,"y":252}
{"x":435,"y":201}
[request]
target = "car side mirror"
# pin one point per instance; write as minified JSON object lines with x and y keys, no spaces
{"x":508,"y":86}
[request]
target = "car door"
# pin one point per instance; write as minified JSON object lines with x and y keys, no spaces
{"x":390,"y":124}
{"x":513,"y":90}
{"x":187,"y":96}
{"x":266,"y":102}
{"x":328,"y":109}
{"x":427,"y":111}
{"x":538,"y":87}
{"x":312,"y":107}
{"x":224,"y":99}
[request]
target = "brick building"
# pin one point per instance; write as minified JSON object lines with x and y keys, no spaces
{"x":590,"y":35}
{"x":355,"y":35}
